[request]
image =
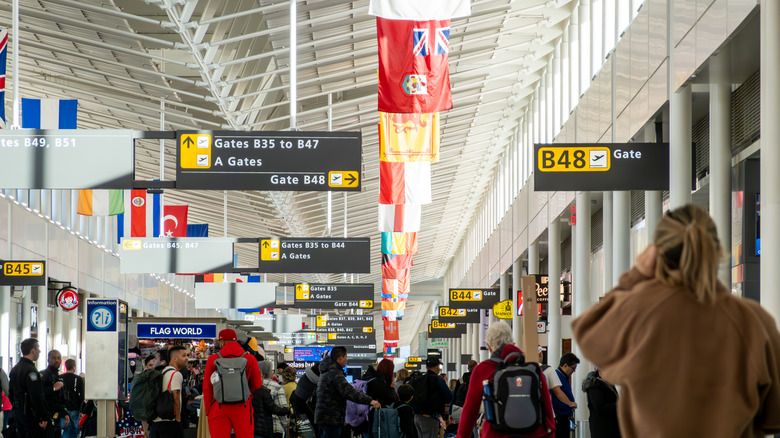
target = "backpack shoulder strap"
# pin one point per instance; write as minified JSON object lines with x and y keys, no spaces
{"x":220,"y":355}
{"x":171,"y":380}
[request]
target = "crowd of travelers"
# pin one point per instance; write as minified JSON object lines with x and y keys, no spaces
{"x":646,"y":336}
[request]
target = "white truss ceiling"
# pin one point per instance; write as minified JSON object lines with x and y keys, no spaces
{"x":224,"y":64}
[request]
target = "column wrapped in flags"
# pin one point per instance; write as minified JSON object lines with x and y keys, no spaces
{"x":414,"y":86}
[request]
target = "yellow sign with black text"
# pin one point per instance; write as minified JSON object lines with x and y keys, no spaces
{"x":195,"y":151}
{"x":343,"y":179}
{"x":23,"y":269}
{"x":574,"y":159}
{"x":269,"y":250}
{"x":503,"y":309}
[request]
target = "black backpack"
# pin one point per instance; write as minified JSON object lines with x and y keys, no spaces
{"x":426,"y":395}
{"x":516,"y":395}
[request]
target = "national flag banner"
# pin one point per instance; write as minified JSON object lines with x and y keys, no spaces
{"x":399,"y":217}
{"x":408,"y":137}
{"x":101,"y":202}
{"x":396,"y":288}
{"x":197,"y":230}
{"x":399,"y":262}
{"x":392,"y":343}
{"x":209,"y":278}
{"x":3,"y":62}
{"x":392,"y":315}
{"x":404,"y":183}
{"x":399,"y":243}
{"x":395,"y":297}
{"x":391,"y":330}
{"x":393,"y":305}
{"x":420,"y":10}
{"x":395,"y":273}
{"x":49,"y":113}
{"x":175,"y":220}
{"x":414,"y":75}
{"x":142,"y":215}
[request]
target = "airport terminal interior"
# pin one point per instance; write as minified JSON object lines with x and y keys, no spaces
{"x":318,"y":173}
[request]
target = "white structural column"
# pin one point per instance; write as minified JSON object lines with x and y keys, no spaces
{"x":503,"y":291}
{"x":43,"y":325}
{"x":554,"y":293}
{"x":720,"y":156}
{"x":533,"y":258}
{"x":56,"y":329}
{"x":585,"y":70}
{"x":517,"y":325}
{"x":770,"y":156}
{"x":607,"y":228}
{"x":680,"y":148}
{"x":557,"y":90}
{"x":73,"y":333}
{"x":581,"y":298}
{"x":653,"y":199}
{"x":5,"y":326}
{"x":621,"y":222}
{"x":26,"y":306}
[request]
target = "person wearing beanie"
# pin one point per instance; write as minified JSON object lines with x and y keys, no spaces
{"x":277,"y":393}
{"x":288,"y":377}
{"x":237,"y":417}
{"x":265,"y":407}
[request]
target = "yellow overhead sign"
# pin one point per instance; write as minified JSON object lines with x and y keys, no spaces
{"x":302,"y":292}
{"x":269,"y":250}
{"x":574,"y":159}
{"x":465,"y":295}
{"x":450,"y":312}
{"x":343,"y":179}
{"x":435,"y":324}
{"x":23,"y":269}
{"x":195,"y":151}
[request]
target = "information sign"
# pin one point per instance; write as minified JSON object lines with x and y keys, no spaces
{"x":172,"y":331}
{"x":413,"y":366}
{"x":315,"y":255}
{"x":344,"y":324}
{"x":23,"y":273}
{"x":350,"y":338}
{"x":314,"y":354}
{"x":102,"y":315}
{"x":599,"y":167}
{"x":415,"y":359}
{"x":66,"y":159}
{"x":334,"y":296}
{"x":284,"y":161}
{"x":473,"y":298}
{"x":175,"y":254}
{"x":450,"y":314}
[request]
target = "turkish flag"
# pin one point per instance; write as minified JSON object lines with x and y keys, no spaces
{"x":175,"y":221}
{"x":414,"y":74}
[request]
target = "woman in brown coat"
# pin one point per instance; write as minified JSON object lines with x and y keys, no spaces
{"x":692,"y":359}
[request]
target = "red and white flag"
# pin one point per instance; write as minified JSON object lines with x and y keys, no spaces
{"x":420,"y":10}
{"x":414,"y":75}
{"x":399,"y":217}
{"x":404,"y":183}
{"x":175,"y":221}
{"x":142,"y":215}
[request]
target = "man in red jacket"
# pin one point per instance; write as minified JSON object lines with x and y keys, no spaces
{"x":224,"y":418}
{"x":498,"y":340}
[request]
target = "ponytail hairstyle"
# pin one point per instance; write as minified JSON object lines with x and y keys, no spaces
{"x":688,"y":252}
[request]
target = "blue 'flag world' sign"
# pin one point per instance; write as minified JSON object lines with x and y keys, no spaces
{"x":167,"y":331}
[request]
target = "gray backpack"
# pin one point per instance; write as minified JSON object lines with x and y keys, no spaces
{"x":229,"y":380}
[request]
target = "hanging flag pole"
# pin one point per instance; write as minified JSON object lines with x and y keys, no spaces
{"x":330,"y":195}
{"x":15,"y":65}
{"x":293,"y":66}
{"x":162,"y":170}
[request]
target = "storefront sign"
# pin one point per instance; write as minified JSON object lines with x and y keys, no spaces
{"x":68,"y":298}
{"x":175,"y":330}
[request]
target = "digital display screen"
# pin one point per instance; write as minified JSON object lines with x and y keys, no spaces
{"x":311,"y":354}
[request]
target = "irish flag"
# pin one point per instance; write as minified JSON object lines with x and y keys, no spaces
{"x":100,"y":203}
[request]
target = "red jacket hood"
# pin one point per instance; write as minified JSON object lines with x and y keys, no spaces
{"x":232,"y":349}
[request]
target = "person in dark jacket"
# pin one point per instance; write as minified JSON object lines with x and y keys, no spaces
{"x":379,"y":387}
{"x":54,"y":394}
{"x":431,"y":398}
{"x":307,"y":386}
{"x":405,"y":411}
{"x":264,"y":408}
{"x":602,"y":403}
{"x":333,"y":391}
{"x":26,"y":393}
